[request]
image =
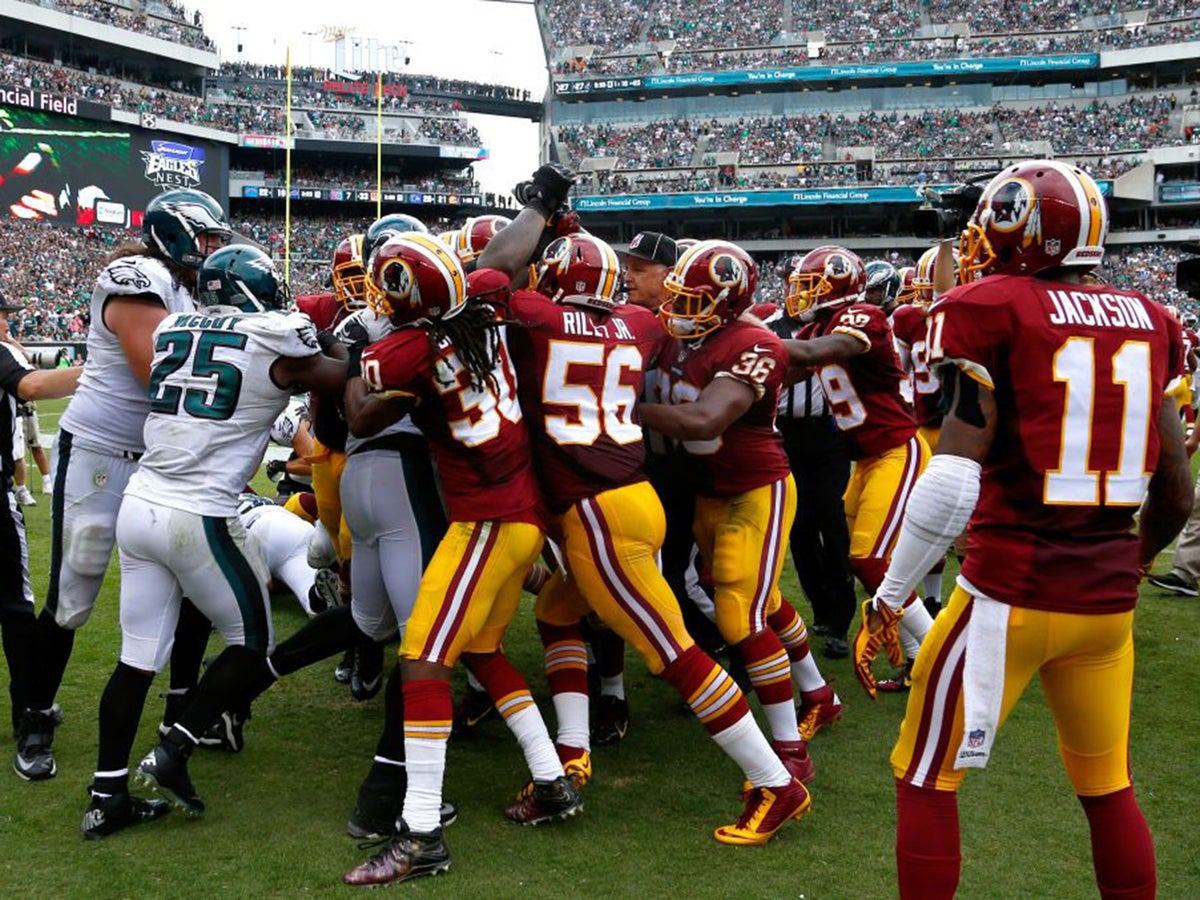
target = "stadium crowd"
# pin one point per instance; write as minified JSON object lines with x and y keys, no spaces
{"x":177,"y":29}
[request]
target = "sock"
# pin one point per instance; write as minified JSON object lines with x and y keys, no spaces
{"x":566,"y":672}
{"x":121,"y":707}
{"x":427,"y":717}
{"x":613,"y":687}
{"x":321,"y":637}
{"x":191,"y":640}
{"x":226,"y":685}
{"x":1122,"y":847}
{"x":52,"y":652}
{"x":928,"y":858}
{"x":767,"y":665}
{"x":721,"y":707}
{"x":792,"y":633}
{"x":508,"y":690}
{"x":931,"y":584}
{"x":914,"y":625}
{"x":870,"y":572}
{"x":387,"y":768}
{"x":16,"y":632}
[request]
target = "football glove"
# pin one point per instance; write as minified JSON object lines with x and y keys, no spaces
{"x":547,"y":190}
{"x":880,"y":628}
{"x":276,"y":469}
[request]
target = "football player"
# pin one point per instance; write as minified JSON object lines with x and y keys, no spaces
{"x":851,"y":345}
{"x":934,"y":274}
{"x":100,"y":436}
{"x":452,"y":359}
{"x":718,"y":386}
{"x":282,"y":537}
{"x":883,"y":285}
{"x":1057,"y":429}
{"x":476,"y":233}
{"x":581,"y":360}
{"x":218,"y":379}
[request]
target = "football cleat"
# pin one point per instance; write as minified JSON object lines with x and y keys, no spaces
{"x":899,"y":683}
{"x":577,"y":766}
{"x":345,"y":668}
{"x":367,"y":678}
{"x":817,"y":709}
{"x":165,"y":772}
{"x":836,"y":647}
{"x":226,"y":733}
{"x":795,"y":758}
{"x":325,"y":592}
{"x":24,"y":497}
{"x":34,"y":760}
{"x":376,"y":812}
{"x":1174,"y":584}
{"x":612,"y":721}
{"x":407,"y":855}
{"x":767,"y":810}
{"x":109,"y":813}
{"x":549,"y":801}
{"x":474,"y":709}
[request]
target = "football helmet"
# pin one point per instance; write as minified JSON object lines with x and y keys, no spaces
{"x":476,"y":234}
{"x":176,"y":223}
{"x":415,"y":277}
{"x":579,"y":269}
{"x":349,"y":276}
{"x":883,"y":284}
{"x":711,"y":285}
{"x":906,"y":292}
{"x":1035,"y":215}
{"x":241,"y":276}
{"x":923,"y":276}
{"x":825,"y":278}
{"x":1189,"y":320}
{"x":385,"y":227}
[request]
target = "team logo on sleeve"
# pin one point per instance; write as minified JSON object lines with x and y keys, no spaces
{"x":127,"y":274}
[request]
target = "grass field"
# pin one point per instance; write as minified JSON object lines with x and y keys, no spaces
{"x":277,"y":812}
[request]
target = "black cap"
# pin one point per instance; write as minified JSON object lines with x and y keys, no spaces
{"x":5,"y":306}
{"x":655,"y":247}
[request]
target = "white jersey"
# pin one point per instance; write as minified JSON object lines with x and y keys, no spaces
{"x":366,"y":327}
{"x":287,"y":423}
{"x":110,"y":405}
{"x":213,"y":403}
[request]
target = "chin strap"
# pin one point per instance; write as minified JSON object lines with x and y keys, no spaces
{"x":938,"y":511}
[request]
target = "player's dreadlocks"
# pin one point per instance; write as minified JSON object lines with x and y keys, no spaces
{"x":473,"y":333}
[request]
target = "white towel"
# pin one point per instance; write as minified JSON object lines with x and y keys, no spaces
{"x":983,"y":678}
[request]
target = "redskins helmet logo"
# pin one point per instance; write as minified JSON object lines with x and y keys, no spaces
{"x":1011,"y":205}
{"x":838,"y":267}
{"x":398,"y":282}
{"x":727,"y":271}
{"x":557,"y":254}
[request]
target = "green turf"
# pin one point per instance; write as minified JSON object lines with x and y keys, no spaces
{"x":277,"y":812}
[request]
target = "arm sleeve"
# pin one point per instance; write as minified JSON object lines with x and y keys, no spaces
{"x":12,"y":369}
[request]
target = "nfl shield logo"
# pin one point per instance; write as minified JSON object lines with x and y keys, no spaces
{"x":975,"y":738}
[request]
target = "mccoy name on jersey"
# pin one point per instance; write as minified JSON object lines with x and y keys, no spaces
{"x":213,"y":402}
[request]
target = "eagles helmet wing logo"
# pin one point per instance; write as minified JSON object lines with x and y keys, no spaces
{"x":127,"y":274}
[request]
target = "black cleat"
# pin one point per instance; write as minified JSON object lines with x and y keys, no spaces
{"x":109,"y":813}
{"x":376,"y":813}
{"x":345,"y":668}
{"x":1174,"y":584}
{"x":475,"y":709}
{"x":34,"y":760}
{"x":612,"y":721}
{"x":165,"y":772}
{"x":549,"y":801}
{"x":367,"y":678}
{"x":836,"y":647}
{"x":225,"y":733}
{"x":407,"y":855}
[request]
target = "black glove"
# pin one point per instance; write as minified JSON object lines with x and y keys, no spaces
{"x":276,"y":469}
{"x":547,"y":190}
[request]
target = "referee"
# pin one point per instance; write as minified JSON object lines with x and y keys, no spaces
{"x":18,"y":382}
{"x":820,"y":541}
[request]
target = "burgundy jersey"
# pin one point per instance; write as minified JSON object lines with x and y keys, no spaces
{"x":1191,"y":342}
{"x":326,"y":311}
{"x":1078,"y":372}
{"x":581,"y":374}
{"x":477,"y":435}
{"x":864,"y":391}
{"x":750,"y":453}
{"x":908,"y":326}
